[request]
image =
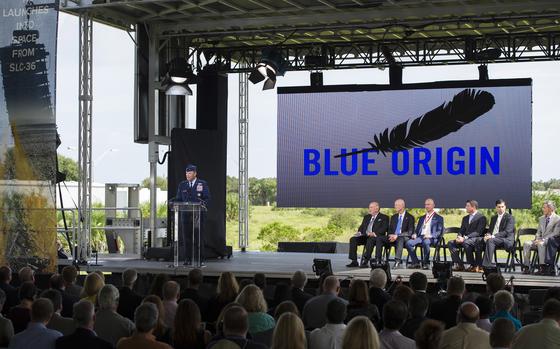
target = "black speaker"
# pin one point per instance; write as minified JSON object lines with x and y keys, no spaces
{"x":383,"y":265}
{"x":141,"y":93}
{"x":316,"y":79}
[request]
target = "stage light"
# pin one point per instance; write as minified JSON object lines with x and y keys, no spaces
{"x":271,"y":65}
{"x":179,"y":75}
{"x":442,"y":271}
{"x":383,"y":265}
{"x":178,"y":90}
{"x":322,"y":266}
{"x":490,"y":270}
{"x":483,"y":72}
{"x":316,"y":78}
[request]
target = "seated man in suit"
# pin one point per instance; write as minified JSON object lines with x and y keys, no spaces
{"x":548,"y":229}
{"x":373,"y":225}
{"x":501,"y":233}
{"x":428,"y":231}
{"x":401,"y":228}
{"x":470,"y":237}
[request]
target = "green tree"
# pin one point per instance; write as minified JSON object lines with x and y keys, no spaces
{"x":275,"y":232}
{"x":262,"y":191}
{"x":344,"y":219}
{"x":161,"y":183}
{"x":232,"y":206}
{"x":68,"y":166}
{"x":232,"y":184}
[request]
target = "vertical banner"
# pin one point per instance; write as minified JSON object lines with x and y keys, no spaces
{"x":28,"y":31}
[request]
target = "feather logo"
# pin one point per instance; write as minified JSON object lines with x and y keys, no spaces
{"x":464,"y":108}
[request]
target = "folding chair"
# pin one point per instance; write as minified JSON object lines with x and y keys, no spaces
{"x":518,"y":247}
{"x":510,"y":262}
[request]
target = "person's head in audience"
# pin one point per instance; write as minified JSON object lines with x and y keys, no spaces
{"x":503,"y":301}
{"x":5,"y":274}
{"x":455,"y":286}
{"x":495,"y":282}
{"x":321,"y":281}
{"x":108,"y":298}
{"x":157,"y":284}
{"x":502,"y":333}
{"x":160,"y":327}
{"x":282,"y":292}
{"x":428,"y":335}
{"x":171,"y":291}
{"x":27,"y":292}
{"x":285,"y":307}
{"x":484,"y":305}
{"x":129,"y":277}
{"x":26,"y":274}
{"x":336,"y":311}
{"x":41,"y":311}
{"x":299,"y":279}
{"x":146,"y":318}
{"x":378,"y":278}
{"x":552,"y":293}
{"x":101,"y":275}
{"x":360,"y":334}
{"x":551,"y":310}
{"x":403,"y":293}
{"x":56,"y":282}
{"x":195,"y":278}
{"x":55,"y":297}
{"x":70,"y":275}
{"x":227,"y":288}
{"x":252,"y":299}
{"x":418,"y":306}
{"x":289,"y":333}
{"x":418,"y":282}
{"x":92,"y":284}
{"x":468,"y":313}
{"x":260,"y":280}
{"x":395,"y":314}
{"x":220,"y":319}
{"x":331,"y":285}
{"x":358,"y":294}
{"x":2,"y":299}
{"x":235,"y":321}
{"x":187,"y":323}
{"x":84,"y":314}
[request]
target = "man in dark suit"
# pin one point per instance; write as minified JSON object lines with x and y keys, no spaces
{"x":401,"y":229}
{"x":193,"y":190}
{"x":56,"y":282}
{"x":12,"y":298}
{"x":236,"y":326}
{"x":128,"y":299}
{"x":83,"y":337}
{"x":298,"y":294}
{"x":427,"y":233}
{"x":501,"y":233}
{"x":373,"y":225}
{"x":445,"y":309}
{"x":470,"y":237}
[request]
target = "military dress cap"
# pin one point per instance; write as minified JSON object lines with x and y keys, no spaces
{"x":190,"y":168}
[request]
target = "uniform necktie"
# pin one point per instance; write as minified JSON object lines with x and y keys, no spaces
{"x":399,"y":226}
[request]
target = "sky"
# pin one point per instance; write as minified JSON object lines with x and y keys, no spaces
{"x":116,"y":158}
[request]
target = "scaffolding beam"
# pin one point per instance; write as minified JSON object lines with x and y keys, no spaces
{"x":243,"y":161}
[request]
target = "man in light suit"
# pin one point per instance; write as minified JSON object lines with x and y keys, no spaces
{"x":501,"y":233}
{"x":373,"y":225}
{"x":466,"y":335}
{"x":470,"y":237}
{"x":544,"y":334}
{"x":428,"y":231}
{"x":549,"y":227}
{"x":401,"y":228}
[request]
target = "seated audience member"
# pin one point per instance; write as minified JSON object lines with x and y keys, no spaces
{"x":235,"y":329}
{"x":418,"y":282}
{"x":145,"y":321}
{"x":128,"y":299}
{"x":70,"y":275}
{"x":26,"y":274}
{"x":162,"y":332}
{"x":299,"y":296}
{"x":377,"y":294}
{"x":188,"y":332}
{"x":374,"y":225}
{"x":403,"y":293}
{"x":59,"y":323}
{"x":470,"y":238}
{"x":109,"y":325}
{"x":495,"y":282}
{"x":11,"y":292}
{"x":401,"y":229}
{"x":259,"y":279}
{"x":56,"y":283}
{"x":501,"y":233}
{"x":92,"y":285}
{"x":358,"y":303}
{"x":171,"y":291}
{"x":83,"y":337}
{"x":428,"y":336}
{"x":20,"y":315}
{"x":192,"y":291}
{"x":395,"y":314}
{"x":426,"y":235}
{"x":466,"y":335}
{"x":219,"y":325}
{"x":445,"y":310}
{"x":417,"y":310}
{"x":360,"y":334}
{"x":330,"y":335}
{"x":6,"y":327}
{"x":548,"y":228}
{"x":503,"y":302}
{"x":282,"y":292}
{"x":501,"y":334}
{"x":484,"y":305}
{"x":265,"y":337}
{"x":544,"y":334}
{"x":157,"y":284}
{"x":37,"y":335}
{"x":226,"y":292}
{"x":251,"y":298}
{"x":315,"y":310}
{"x":289,"y":333}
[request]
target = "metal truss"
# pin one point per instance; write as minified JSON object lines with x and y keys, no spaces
{"x":243,"y":161}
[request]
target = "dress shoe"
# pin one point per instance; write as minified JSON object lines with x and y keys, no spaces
{"x":458,"y":268}
{"x":352,"y":264}
{"x":414,"y":266}
{"x":525,"y":270}
{"x":397,"y":265}
{"x":426,"y":266}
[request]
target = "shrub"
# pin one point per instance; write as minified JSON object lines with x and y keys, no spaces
{"x":328,"y":233}
{"x":343,"y":219}
{"x":275,"y":232}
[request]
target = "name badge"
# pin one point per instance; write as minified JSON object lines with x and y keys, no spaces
{"x":199,"y":187}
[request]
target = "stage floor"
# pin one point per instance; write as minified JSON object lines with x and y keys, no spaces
{"x":283,"y":264}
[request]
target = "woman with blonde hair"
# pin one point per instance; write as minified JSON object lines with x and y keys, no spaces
{"x":226,"y":292}
{"x":252,"y":299}
{"x":360,"y":334}
{"x":289,"y":333}
{"x":92,"y":285}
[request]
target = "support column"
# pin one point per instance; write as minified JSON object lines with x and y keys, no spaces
{"x":243,"y":161}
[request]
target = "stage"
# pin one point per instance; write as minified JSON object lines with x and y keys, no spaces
{"x":281,"y":265}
